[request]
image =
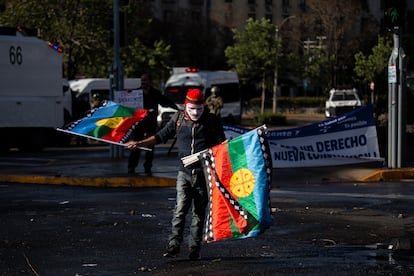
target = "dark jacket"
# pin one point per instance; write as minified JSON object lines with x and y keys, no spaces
{"x":192,"y":137}
{"x":151,"y":102}
{"x":155,"y":98}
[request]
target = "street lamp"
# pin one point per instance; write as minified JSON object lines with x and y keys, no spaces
{"x":276,"y":59}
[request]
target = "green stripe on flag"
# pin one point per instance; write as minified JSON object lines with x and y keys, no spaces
{"x":238,"y":157}
{"x":237,"y":154}
{"x":100,"y":131}
{"x":124,"y":111}
{"x":235,"y":234}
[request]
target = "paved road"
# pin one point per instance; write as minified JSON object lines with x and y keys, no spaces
{"x":320,"y":229}
{"x":326,"y":221}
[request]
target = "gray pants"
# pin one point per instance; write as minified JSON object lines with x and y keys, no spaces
{"x":191,"y":190}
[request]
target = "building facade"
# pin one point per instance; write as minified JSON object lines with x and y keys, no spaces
{"x":200,"y":30}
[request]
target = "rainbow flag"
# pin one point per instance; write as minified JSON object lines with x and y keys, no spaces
{"x":239,"y":177}
{"x":111,"y":123}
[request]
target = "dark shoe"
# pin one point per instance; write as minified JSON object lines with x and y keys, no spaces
{"x":148,"y":173}
{"x":131,"y":171}
{"x":172,"y":251}
{"x":194,"y":254}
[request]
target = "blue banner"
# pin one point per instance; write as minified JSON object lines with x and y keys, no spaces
{"x":347,"y":139}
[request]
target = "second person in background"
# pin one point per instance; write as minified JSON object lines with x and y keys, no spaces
{"x":152,"y":98}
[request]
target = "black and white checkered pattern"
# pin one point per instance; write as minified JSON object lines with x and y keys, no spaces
{"x":210,"y":167}
{"x":209,"y":164}
{"x":264,"y":145}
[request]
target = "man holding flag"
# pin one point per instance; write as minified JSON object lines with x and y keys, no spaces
{"x":237,"y":172}
{"x":196,"y":129}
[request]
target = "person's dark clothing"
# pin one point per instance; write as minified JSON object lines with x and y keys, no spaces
{"x":155,"y":98}
{"x":151,"y":101}
{"x":142,"y":131}
{"x":80,"y":108}
{"x":192,"y":137}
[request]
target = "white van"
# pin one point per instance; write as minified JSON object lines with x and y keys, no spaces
{"x":183,"y":79}
{"x":100,"y":86}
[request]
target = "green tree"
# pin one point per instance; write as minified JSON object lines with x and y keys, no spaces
{"x":139,"y":59}
{"x":83,"y":28}
{"x":144,"y":51}
{"x":253,"y":54}
{"x":318,"y":66}
{"x":253,"y":51}
{"x":80,"y":27}
{"x":372,"y":67}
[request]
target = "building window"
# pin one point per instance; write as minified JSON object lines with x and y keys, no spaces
{"x":195,"y":17}
{"x":302,"y":5}
{"x":168,"y":16}
{"x":228,"y":1}
{"x":285,"y":6}
{"x":196,"y":2}
{"x":251,"y":2}
{"x":269,"y":2}
{"x":269,"y":17}
{"x":268,"y":8}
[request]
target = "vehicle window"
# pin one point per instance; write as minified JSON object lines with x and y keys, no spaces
{"x":343,"y":97}
{"x":350,"y":97}
{"x":177,"y":93}
{"x":338,"y":97}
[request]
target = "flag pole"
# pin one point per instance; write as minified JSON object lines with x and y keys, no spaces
{"x":99,"y":139}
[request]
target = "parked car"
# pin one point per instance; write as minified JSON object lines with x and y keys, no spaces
{"x":341,"y":101}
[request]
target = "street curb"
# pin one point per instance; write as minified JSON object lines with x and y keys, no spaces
{"x":130,"y":182}
{"x":142,"y":182}
{"x":388,"y":175}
